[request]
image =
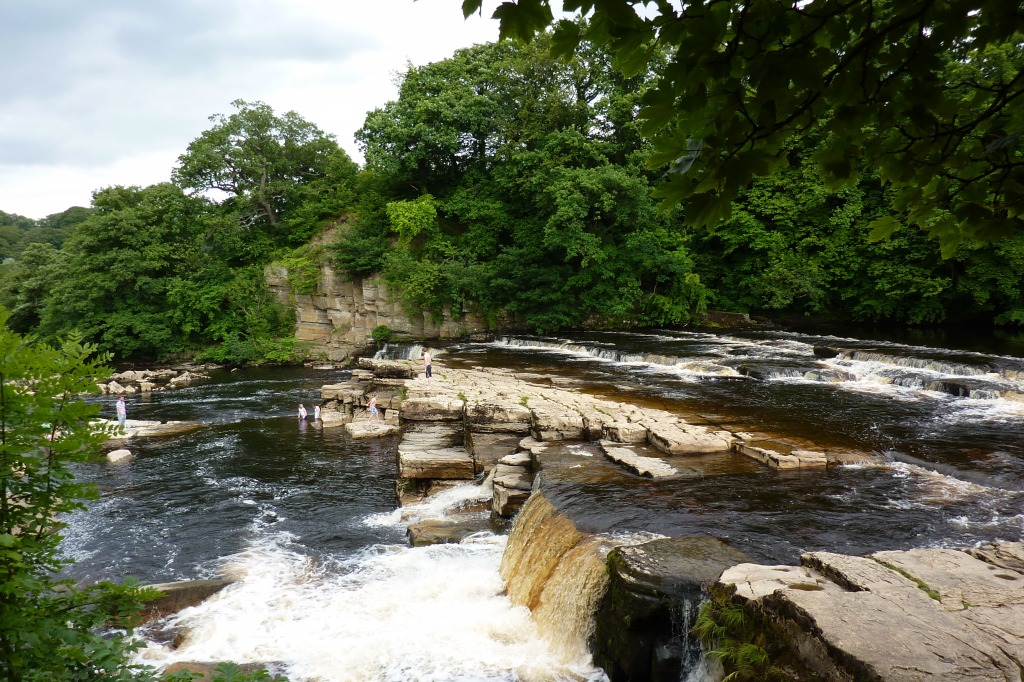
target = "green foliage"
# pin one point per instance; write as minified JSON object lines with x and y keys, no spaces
{"x":381,"y":334}
{"x":283,"y":175}
{"x":303,"y":266}
{"x":926,"y":94}
{"x":116,"y":267}
{"x":411,"y":219}
{"x":51,"y":629}
{"x":234,"y":308}
{"x":509,"y":181}
{"x":748,"y":645}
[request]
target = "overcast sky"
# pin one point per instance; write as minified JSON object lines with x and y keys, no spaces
{"x":95,"y":93}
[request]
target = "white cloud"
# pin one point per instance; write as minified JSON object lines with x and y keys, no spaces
{"x":110,"y":92}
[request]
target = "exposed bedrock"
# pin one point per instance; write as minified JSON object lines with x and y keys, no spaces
{"x":642,"y":626}
{"x":925,"y":614}
{"x":900,"y":616}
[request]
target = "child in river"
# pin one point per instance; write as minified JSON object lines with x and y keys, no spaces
{"x":302,"y":412}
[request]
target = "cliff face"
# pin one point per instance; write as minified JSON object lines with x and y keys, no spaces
{"x":339,"y":318}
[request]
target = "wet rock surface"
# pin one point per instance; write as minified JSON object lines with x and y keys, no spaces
{"x":655,"y":588}
{"x":906,"y":615}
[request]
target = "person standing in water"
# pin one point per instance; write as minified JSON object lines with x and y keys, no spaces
{"x":426,"y":365}
{"x":316,"y":413}
{"x":302,"y":412}
{"x":122,"y":412}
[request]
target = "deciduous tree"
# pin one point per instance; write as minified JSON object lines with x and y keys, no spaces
{"x":929,"y":96}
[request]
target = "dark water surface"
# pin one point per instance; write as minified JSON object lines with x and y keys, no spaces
{"x":187,"y":502}
{"x":332,"y":591}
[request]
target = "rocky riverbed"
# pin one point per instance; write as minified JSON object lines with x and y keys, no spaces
{"x":942,"y":614}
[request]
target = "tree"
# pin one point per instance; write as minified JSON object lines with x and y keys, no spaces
{"x":270,"y":167}
{"x":26,"y":282}
{"x":118,"y":264}
{"x":51,"y":629}
{"x":514,"y":181}
{"x":927,"y":95}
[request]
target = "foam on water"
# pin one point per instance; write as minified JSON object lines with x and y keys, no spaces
{"x":389,"y":613}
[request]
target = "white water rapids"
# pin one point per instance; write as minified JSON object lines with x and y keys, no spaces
{"x":391,"y":613}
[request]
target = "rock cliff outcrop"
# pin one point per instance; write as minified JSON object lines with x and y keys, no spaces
{"x":338,"y":319}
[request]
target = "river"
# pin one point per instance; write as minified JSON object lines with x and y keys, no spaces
{"x":329,"y":590}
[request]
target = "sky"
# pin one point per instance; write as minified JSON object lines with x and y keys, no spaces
{"x":97,"y":93}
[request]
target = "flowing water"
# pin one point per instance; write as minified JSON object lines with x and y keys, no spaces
{"x":328,"y":589}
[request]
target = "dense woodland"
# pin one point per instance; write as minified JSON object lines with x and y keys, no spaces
{"x":501,"y":180}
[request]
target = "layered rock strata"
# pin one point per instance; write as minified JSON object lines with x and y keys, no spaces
{"x":900,"y":616}
{"x":338,"y":319}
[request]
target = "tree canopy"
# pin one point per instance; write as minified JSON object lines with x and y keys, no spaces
{"x":514,"y":181}
{"x":927,"y":96}
{"x":280,"y":173}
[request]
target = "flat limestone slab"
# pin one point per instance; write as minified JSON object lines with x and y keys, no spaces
{"x":628,"y":458}
{"x":796,"y":459}
{"x":449,"y":463}
{"x":859,"y":618}
{"x":433,"y":408}
{"x":434,"y":452}
{"x":674,"y":439}
{"x":370,"y":429}
{"x":960,"y":579}
{"x":135,"y":428}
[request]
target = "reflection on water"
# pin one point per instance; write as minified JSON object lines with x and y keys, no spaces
{"x":331,"y":591}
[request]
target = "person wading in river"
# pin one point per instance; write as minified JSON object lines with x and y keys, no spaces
{"x":122,"y":412}
{"x":302,"y":412}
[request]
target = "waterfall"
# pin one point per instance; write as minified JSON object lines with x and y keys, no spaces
{"x":399,"y":351}
{"x":558,"y":573}
{"x":938,"y":366}
{"x":539,"y":538}
{"x":565,"y":614}
{"x":656,"y":361}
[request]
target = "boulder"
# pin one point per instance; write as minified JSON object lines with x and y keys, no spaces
{"x":120,"y":456}
{"x":434,"y":532}
{"x":179,"y":595}
{"x":653,"y":587}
